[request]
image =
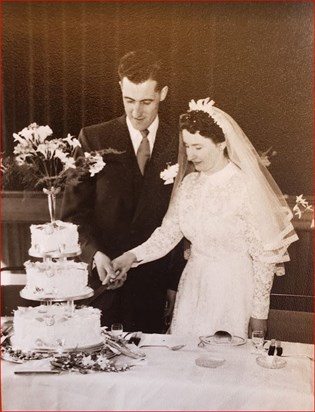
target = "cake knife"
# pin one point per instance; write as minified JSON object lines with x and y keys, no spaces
{"x":30,"y":371}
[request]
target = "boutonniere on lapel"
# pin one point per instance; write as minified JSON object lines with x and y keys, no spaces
{"x":169,"y":174}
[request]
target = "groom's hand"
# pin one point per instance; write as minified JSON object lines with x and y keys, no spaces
{"x":117,"y":283}
{"x":104,"y":266}
{"x":121,"y":265}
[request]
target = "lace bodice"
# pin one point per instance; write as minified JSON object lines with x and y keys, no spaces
{"x":214,"y":214}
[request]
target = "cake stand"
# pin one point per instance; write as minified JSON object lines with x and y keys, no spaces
{"x":47,"y":299}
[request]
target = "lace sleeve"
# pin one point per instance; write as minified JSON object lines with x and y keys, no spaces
{"x":164,"y":238}
{"x":263,"y":271}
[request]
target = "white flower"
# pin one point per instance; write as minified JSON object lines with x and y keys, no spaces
{"x":103,"y":361}
{"x":43,"y":132}
{"x":21,"y":159}
{"x":59,"y":154}
{"x":301,"y":203}
{"x":97,"y":164}
{"x":87,"y":361}
{"x":45,"y":159}
{"x":300,"y":200}
{"x":69,"y":162}
{"x":265,"y":161}
{"x":169,"y":173}
{"x":76,"y":143}
{"x":205,"y":105}
{"x":18,"y":138}
{"x":72,"y":141}
{"x":27,"y":133}
{"x":297,"y":211}
{"x":265,"y":156}
{"x":43,"y":149}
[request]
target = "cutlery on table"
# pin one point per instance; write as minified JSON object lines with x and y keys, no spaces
{"x":174,"y":348}
{"x":28,"y":372}
{"x":298,"y":356}
{"x":7,"y":334}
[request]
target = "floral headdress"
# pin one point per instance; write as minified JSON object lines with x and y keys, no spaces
{"x":207,"y":106}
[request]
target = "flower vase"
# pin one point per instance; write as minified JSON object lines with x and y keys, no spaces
{"x":51,"y":196}
{"x":52,"y":206}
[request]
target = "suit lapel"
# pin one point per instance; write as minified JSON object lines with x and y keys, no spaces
{"x":122,"y":142}
{"x":158,"y":162}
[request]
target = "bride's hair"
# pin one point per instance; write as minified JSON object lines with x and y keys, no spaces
{"x":200,"y":121}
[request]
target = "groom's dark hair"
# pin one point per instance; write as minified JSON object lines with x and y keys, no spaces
{"x":141,"y":65}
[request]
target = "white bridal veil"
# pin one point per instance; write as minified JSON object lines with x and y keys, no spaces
{"x":268,"y":204}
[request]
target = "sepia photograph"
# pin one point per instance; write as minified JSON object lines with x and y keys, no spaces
{"x":157,"y":205}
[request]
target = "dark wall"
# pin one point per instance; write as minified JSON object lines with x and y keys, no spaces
{"x":254,"y":59}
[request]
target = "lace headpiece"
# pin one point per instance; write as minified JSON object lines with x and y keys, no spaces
{"x":207,"y":106}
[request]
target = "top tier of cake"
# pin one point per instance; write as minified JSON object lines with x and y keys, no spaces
{"x":54,"y":239}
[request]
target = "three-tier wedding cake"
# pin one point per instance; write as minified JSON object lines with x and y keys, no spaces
{"x":56,"y":282}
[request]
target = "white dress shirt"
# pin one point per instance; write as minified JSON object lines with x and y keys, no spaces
{"x":136,"y":135}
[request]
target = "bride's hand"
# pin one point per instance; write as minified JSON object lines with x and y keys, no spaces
{"x":121,"y":265}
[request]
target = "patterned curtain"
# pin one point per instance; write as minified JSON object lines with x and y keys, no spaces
{"x":255,"y":59}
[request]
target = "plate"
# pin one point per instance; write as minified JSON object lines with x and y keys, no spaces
{"x":209,"y":362}
{"x":90,"y":348}
{"x":210,"y":340}
{"x":271,"y":362}
{"x":9,"y":358}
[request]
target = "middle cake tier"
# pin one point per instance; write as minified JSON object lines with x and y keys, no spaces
{"x":60,"y":279}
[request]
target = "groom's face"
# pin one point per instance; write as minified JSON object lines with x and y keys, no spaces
{"x":141,"y":101}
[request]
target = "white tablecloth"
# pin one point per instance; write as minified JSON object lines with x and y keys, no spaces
{"x":171,"y":381}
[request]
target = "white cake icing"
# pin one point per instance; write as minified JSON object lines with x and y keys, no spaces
{"x":59,"y":279}
{"x":54,"y":238}
{"x":34,"y":329}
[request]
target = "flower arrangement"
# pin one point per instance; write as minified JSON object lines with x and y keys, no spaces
{"x":302,"y":206}
{"x":169,"y":174}
{"x":85,"y":362}
{"x":42,"y":161}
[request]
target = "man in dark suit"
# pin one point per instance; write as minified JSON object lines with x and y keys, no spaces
{"x":121,"y":206}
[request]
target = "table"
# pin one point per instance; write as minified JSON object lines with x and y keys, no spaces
{"x":171,"y":381}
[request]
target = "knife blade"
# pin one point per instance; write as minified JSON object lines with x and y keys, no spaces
{"x":28,"y":372}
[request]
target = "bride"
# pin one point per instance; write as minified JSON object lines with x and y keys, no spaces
{"x":235,"y":217}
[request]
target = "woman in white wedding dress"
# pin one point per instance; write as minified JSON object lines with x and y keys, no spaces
{"x":236,"y":219}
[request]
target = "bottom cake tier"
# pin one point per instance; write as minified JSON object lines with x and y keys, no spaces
{"x":51,"y":327}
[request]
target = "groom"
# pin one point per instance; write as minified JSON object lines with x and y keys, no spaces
{"x":122,"y":205}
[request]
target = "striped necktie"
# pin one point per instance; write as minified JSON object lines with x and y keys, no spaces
{"x":143,"y":153}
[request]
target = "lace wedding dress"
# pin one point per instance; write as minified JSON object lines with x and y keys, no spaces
{"x":224,"y":281}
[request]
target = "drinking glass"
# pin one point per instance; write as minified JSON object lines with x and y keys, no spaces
{"x":258,"y":340}
{"x":117,"y":329}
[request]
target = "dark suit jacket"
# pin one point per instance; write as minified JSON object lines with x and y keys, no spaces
{"x":118,"y":209}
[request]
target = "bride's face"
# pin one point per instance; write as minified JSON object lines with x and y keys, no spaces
{"x":206,"y":155}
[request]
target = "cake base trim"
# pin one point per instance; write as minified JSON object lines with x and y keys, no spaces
{"x":54,"y":253}
{"x":25,"y":293}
